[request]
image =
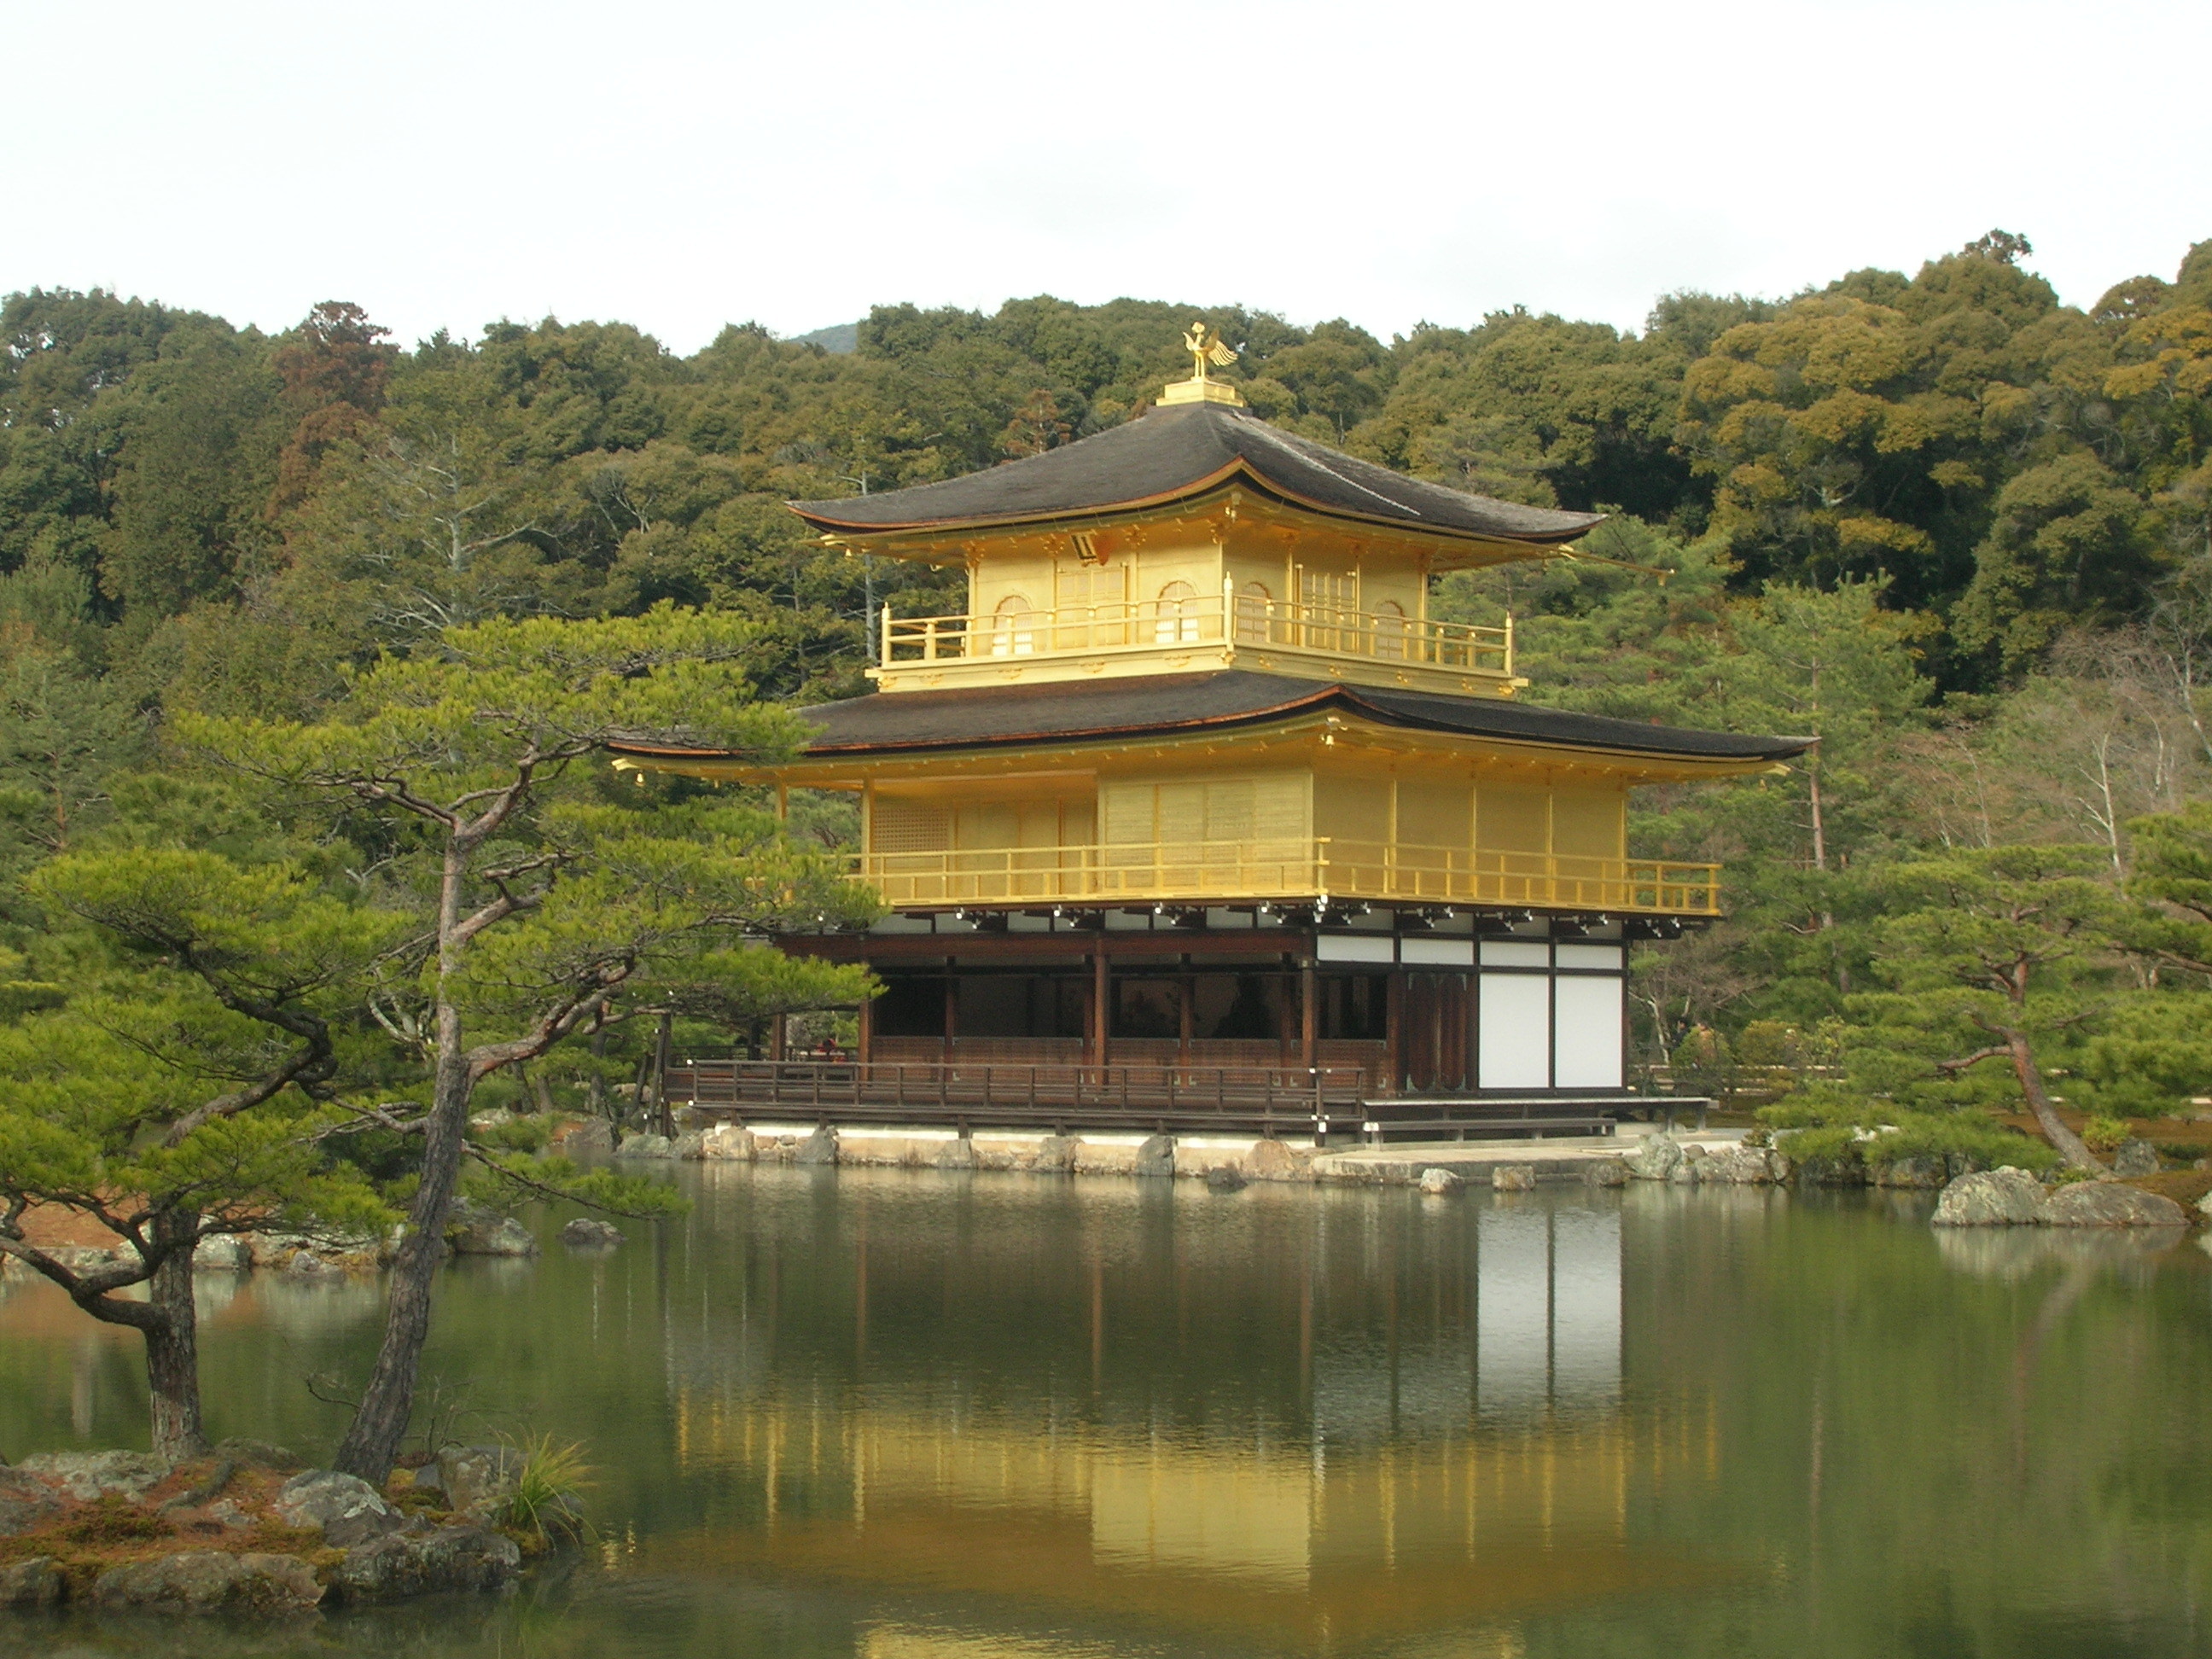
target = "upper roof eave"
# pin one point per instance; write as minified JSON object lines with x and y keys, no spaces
{"x":1174,"y":454}
{"x":979,"y":720}
{"x":1237,"y":471}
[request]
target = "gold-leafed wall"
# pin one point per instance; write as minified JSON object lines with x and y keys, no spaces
{"x":1436,"y":812}
{"x":1589,"y":822}
{"x":1513,"y":818}
{"x":1260,"y":806}
{"x":1578,"y":819}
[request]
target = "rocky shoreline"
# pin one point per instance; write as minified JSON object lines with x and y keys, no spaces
{"x":2014,"y":1198}
{"x":1223,"y":1164}
{"x":1228,"y":1165}
{"x":249,"y":1530}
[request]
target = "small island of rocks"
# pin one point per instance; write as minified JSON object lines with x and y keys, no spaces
{"x":250,"y":1529}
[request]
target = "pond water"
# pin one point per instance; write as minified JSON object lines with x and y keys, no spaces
{"x":914,"y":1415}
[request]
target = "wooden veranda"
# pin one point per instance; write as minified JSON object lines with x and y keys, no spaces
{"x":1322,"y":1103}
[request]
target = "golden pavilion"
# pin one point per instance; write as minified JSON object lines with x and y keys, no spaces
{"x":1195,"y":780}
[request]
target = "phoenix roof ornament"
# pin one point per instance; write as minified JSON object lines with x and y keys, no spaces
{"x":1206,"y":346}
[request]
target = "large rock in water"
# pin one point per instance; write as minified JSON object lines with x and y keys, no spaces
{"x":344,"y":1508}
{"x":2135,"y":1157}
{"x":201,"y":1580}
{"x":1271,"y":1160}
{"x":477,"y":1230}
{"x":260,"y":1455}
{"x":590,"y":1233}
{"x":725,"y":1142}
{"x":1919,"y":1170}
{"x":1991,"y":1198}
{"x":1056,"y":1154}
{"x":1745,"y":1166}
{"x":87,"y":1476}
{"x":478,"y":1480}
{"x":1155,"y":1156}
{"x":464,"y":1558}
{"x":957,"y":1153}
{"x":2110,"y":1204}
{"x":26,"y":1502}
{"x":593,"y":1135}
{"x":1513,"y":1178}
{"x":641,"y":1146}
{"x":1609,"y":1172}
{"x":36,"y":1582}
{"x":819,"y":1148}
{"x":1655,"y":1158}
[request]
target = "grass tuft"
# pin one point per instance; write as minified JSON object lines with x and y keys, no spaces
{"x":547,"y":1502}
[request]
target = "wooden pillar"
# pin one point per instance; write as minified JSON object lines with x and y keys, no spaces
{"x":1439,"y":1017}
{"x":779,"y":1037}
{"x":1188,"y":991}
{"x":1102,"y":1004}
{"x":1393,"y":1029}
{"x":1456,"y":1017}
{"x":952,"y":1010}
{"x":1475,"y":1025}
{"x":660,"y":1044}
{"x":1309,"y":1014}
{"x":864,"y":1043}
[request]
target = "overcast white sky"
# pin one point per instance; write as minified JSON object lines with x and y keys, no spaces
{"x":680,"y":166}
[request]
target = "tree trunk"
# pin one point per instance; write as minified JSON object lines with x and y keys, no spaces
{"x":541,"y":1091}
{"x":380,"y":1423}
{"x":2070,"y":1146}
{"x":172,"y":1343}
{"x":595,"y":1104}
{"x":1819,"y":817}
{"x":168,"y":1324}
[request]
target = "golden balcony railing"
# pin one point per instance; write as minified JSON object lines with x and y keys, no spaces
{"x":1197,"y":619}
{"x":1244,"y":871}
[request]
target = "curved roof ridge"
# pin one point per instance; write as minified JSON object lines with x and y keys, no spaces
{"x":1267,"y":434}
{"x":989,"y":717}
{"x":1182,"y":451}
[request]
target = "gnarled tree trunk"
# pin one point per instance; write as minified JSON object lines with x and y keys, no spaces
{"x":380,"y":1423}
{"x":166,"y":1322}
{"x":2071,"y":1146}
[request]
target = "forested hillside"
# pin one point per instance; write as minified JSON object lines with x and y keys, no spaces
{"x":1955,"y":528}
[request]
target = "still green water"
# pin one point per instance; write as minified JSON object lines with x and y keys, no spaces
{"x":928,"y":1416}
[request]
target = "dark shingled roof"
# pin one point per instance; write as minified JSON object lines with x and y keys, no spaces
{"x":1185,"y":450}
{"x":989,"y":717}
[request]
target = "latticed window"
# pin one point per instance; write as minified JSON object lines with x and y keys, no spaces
{"x":1012,"y":627}
{"x":909,"y":826}
{"x":1390,"y":629}
{"x":1175,"y":615}
{"x":1252,"y":602}
{"x":1330,"y":598}
{"x":1090,"y":607}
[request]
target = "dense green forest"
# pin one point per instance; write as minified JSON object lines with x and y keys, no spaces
{"x":1959,"y":531}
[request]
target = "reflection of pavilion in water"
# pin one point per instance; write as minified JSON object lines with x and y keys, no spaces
{"x":1545,"y":1338}
{"x":1475,"y":1477}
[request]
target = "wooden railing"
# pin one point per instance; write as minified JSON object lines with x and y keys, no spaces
{"x":1245,"y":871}
{"x":1199,"y":618}
{"x":1134,"y":1097}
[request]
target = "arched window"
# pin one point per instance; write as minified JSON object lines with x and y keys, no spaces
{"x":1252,"y":601}
{"x":1177,"y":614}
{"x":1012,"y":626}
{"x":1389,"y":629}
